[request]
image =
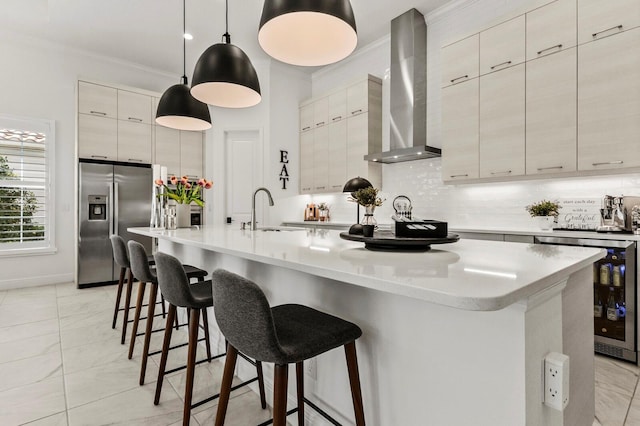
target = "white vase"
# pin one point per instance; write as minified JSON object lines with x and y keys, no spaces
{"x":183,"y":215}
{"x":545,"y":223}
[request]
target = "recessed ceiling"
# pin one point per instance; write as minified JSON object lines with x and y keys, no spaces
{"x":149,"y":32}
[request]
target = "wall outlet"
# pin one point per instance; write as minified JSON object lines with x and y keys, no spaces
{"x":312,"y":368}
{"x":556,"y":381}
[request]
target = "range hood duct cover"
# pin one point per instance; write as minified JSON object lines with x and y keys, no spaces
{"x":408,"y":102}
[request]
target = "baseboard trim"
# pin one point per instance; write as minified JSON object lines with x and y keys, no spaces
{"x":36,"y":281}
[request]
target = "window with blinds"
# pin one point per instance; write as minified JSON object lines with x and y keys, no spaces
{"x":26,"y":149}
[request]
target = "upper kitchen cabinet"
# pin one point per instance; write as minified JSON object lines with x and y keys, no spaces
{"x":460,"y":61}
{"x":460,"y":121}
{"x":337,"y":155}
{"x":321,"y":159}
{"x":134,"y":142}
{"x":337,"y":106}
{"x":609,"y":100}
{"x":306,"y":162}
{"x":502,"y":46}
{"x":306,"y":117}
{"x":502,"y":123}
{"x":551,"y":29}
{"x":167,"y":149}
{"x":598,"y":19}
{"x":321,"y":112}
{"x":134,"y":107}
{"x":98,"y":100}
{"x":359,"y":97}
{"x":363,"y":139}
{"x":97,"y":138}
{"x":191,"y":154}
{"x":551,"y":113}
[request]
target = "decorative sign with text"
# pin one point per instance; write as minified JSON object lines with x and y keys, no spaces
{"x":579,"y":213}
{"x":284,"y":173}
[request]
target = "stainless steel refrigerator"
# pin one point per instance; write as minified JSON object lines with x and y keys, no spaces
{"x":112,"y":198}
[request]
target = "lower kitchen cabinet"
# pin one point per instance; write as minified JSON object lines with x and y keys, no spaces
{"x":502,"y":123}
{"x":609,"y":102}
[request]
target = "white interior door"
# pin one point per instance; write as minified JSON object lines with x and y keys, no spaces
{"x":243,"y":174}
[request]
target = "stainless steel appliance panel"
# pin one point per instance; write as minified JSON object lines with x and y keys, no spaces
{"x":95,"y":259}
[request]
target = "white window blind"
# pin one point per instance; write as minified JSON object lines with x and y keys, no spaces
{"x":26,"y":150}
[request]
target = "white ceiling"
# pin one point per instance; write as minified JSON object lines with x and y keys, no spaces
{"x":148,"y":32}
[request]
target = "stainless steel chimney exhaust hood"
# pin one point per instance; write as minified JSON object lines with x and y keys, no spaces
{"x":408,"y":103}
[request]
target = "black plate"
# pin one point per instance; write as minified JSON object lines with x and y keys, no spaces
{"x":387,"y":241}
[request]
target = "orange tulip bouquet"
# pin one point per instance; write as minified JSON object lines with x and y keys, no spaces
{"x":182,"y":191}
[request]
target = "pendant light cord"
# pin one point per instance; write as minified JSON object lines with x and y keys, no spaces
{"x":226,"y":37}
{"x":184,"y":43}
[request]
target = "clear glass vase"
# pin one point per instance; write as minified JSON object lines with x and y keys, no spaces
{"x":368,"y":217}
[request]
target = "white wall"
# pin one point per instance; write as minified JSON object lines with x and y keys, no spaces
{"x":475,"y":205}
{"x":38,"y":80}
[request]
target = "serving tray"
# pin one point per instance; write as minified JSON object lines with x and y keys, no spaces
{"x":387,"y":241}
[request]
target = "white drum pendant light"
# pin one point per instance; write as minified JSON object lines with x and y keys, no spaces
{"x":177,"y":109}
{"x":224,"y":76}
{"x":308,"y":32}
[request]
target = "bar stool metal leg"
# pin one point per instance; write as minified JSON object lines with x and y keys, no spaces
{"x":136,"y":319}
{"x":225,"y":387}
{"x":263,"y":398}
{"x":300,"y":386}
{"x":205,"y":323}
{"x":127,"y":304}
{"x":147,"y":335}
{"x":281,"y":373}
{"x":118,"y":297}
{"x":171,"y":314}
{"x":354,"y":380}
{"x":194,"y":321}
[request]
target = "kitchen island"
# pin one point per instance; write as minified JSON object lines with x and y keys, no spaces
{"x":453,"y":336}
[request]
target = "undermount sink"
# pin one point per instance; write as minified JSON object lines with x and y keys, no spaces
{"x":280,"y":229}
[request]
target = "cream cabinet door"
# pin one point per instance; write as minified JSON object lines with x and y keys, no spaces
{"x":306,"y":117}
{"x":134,"y":142}
{"x":306,"y":162}
{"x":337,"y":106}
{"x":321,"y":159}
{"x":191,"y":154}
{"x":357,"y":146}
{"x":321,"y":112}
{"x":609,"y":102}
{"x":502,"y":46}
{"x":551,"y":29}
{"x":502,"y":123}
{"x":97,"y":138}
{"x":134,"y":107}
{"x":337,"y":155}
{"x":358,"y":98}
{"x":167,"y":152}
{"x":97,"y":100}
{"x":601,"y":18}
{"x":460,"y":120}
{"x":460,"y":61}
{"x":552,"y":113}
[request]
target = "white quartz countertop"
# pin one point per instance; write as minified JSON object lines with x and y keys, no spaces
{"x":469,"y":274}
{"x":564,"y":234}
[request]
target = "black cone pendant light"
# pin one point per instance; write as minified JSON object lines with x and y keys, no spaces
{"x":308,"y":32}
{"x":224,"y":75}
{"x":177,"y":108}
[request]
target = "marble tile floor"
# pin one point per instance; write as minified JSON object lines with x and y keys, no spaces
{"x":62,"y":364}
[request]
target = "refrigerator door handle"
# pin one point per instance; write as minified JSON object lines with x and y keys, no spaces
{"x":110,"y":212}
{"x":115,"y":208}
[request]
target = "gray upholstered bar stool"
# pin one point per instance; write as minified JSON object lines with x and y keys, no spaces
{"x":143,"y":273}
{"x":285,"y":334}
{"x":175,"y":287}
{"x":121,"y":257}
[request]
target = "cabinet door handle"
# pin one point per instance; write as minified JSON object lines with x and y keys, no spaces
{"x":557,"y":46}
{"x":506,"y":172}
{"x":499,"y":65}
{"x":135,"y":160}
{"x":608,"y":162}
{"x":139,"y":120}
{"x":98,"y":112}
{"x":549,"y":168}
{"x":319,"y":187}
{"x":457,"y":176}
{"x":306,"y":128}
{"x":99,"y":156}
{"x":320,"y":123}
{"x":336,"y":118}
{"x":356,"y":111}
{"x":595,"y":35}
{"x":337,"y":186}
{"x":464,"y":77}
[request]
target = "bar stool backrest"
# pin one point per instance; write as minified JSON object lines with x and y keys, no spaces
{"x":173,"y":281}
{"x":120,"y":251}
{"x":244,"y":317}
{"x":140,"y":262}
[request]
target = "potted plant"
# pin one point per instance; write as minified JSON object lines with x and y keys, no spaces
{"x":323,"y":208}
{"x":544,"y":212}
{"x":369,"y":199}
{"x":184,"y":192}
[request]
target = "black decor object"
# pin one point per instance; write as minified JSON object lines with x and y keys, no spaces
{"x":352,"y":186}
{"x":177,"y":109}
{"x":224,"y":75}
